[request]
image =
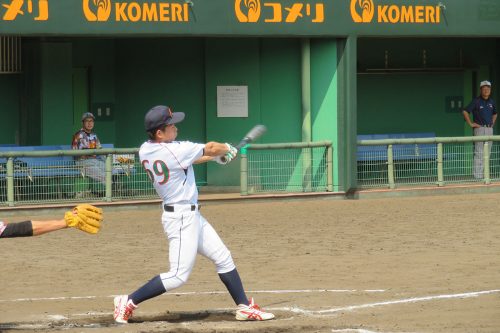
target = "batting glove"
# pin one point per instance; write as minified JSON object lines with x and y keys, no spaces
{"x":221,"y":160}
{"x":227,"y":157}
{"x":231,"y":154}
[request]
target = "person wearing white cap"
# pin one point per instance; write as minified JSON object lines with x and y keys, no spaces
{"x":484,"y":116}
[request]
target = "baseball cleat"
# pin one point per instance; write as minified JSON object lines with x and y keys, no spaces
{"x":252,"y":312}
{"x":124,"y":308}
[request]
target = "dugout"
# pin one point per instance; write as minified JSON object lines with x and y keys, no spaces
{"x":314,"y":70}
{"x":417,"y":85}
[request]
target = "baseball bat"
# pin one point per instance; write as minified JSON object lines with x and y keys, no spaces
{"x":256,"y":132}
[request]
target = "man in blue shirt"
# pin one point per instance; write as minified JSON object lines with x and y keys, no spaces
{"x":484,"y":113}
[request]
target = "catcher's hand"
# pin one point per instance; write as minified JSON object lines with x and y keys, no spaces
{"x":84,"y":217}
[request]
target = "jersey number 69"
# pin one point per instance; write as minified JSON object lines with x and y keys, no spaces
{"x":158,"y":170}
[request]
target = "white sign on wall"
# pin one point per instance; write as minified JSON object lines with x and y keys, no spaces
{"x":232,"y":101}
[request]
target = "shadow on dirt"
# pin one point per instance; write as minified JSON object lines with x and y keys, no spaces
{"x":106,"y":321}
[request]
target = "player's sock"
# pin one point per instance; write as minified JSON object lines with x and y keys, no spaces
{"x":233,"y":284}
{"x":151,"y":289}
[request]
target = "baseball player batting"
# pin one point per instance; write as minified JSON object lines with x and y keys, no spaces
{"x":169,"y":164}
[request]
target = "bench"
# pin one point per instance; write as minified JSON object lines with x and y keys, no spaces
{"x":58,"y":176}
{"x":401,"y":152}
{"x":58,"y":166}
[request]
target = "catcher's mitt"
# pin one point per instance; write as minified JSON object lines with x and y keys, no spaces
{"x":84,"y":217}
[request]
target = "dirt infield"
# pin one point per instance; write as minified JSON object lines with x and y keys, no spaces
{"x":428,"y":264}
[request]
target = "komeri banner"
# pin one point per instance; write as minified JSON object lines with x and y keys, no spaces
{"x":336,"y":18}
{"x":363,"y":11}
{"x":39,"y":9}
{"x":290,"y":12}
{"x":135,"y":11}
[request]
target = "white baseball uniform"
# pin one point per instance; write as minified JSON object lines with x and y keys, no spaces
{"x":170,"y":167}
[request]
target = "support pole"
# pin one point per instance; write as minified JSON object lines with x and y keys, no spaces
{"x":109,"y":177}
{"x":486,"y":163}
{"x":306,"y":113}
{"x":329,"y":168}
{"x":10,"y":181}
{"x":243,"y":172}
{"x":440,"y":164}
{"x":390,"y":167}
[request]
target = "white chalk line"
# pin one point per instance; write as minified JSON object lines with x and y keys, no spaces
{"x":351,"y":307}
{"x":377,"y":304}
{"x":190,"y":293}
{"x":358,"y":330}
{"x":353,"y":330}
{"x":314,"y":313}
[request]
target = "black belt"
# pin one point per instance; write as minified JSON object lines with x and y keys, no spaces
{"x":486,"y":125}
{"x":171,"y":209}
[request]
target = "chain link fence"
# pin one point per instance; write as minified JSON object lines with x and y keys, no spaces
{"x":392,"y":163}
{"x":287,"y":167}
{"x":55,"y":176}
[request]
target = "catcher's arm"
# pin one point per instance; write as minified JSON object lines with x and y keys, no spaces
{"x":43,"y":227}
{"x":84,"y":217}
{"x":30,"y":228}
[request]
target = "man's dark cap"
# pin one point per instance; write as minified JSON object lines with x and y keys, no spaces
{"x":161,"y":115}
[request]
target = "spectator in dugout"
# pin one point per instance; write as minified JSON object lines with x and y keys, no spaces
{"x":93,"y":165}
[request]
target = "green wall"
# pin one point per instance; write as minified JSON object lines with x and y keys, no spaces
{"x":408,"y":103}
{"x":271,"y":70}
{"x":150,"y":72}
{"x":324,"y":96}
{"x":230,"y":62}
{"x":30,"y":94}
{"x":56,"y":93}
{"x":280,"y":90}
{"x":9,"y":108}
{"x":165,"y":71}
{"x":347,"y":53}
{"x":98,"y":56}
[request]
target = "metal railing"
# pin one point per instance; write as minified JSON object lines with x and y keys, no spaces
{"x":286,"y":167}
{"x":392,"y":163}
{"x":55,"y":176}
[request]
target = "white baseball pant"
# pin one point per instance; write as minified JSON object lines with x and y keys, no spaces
{"x":189,"y":233}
